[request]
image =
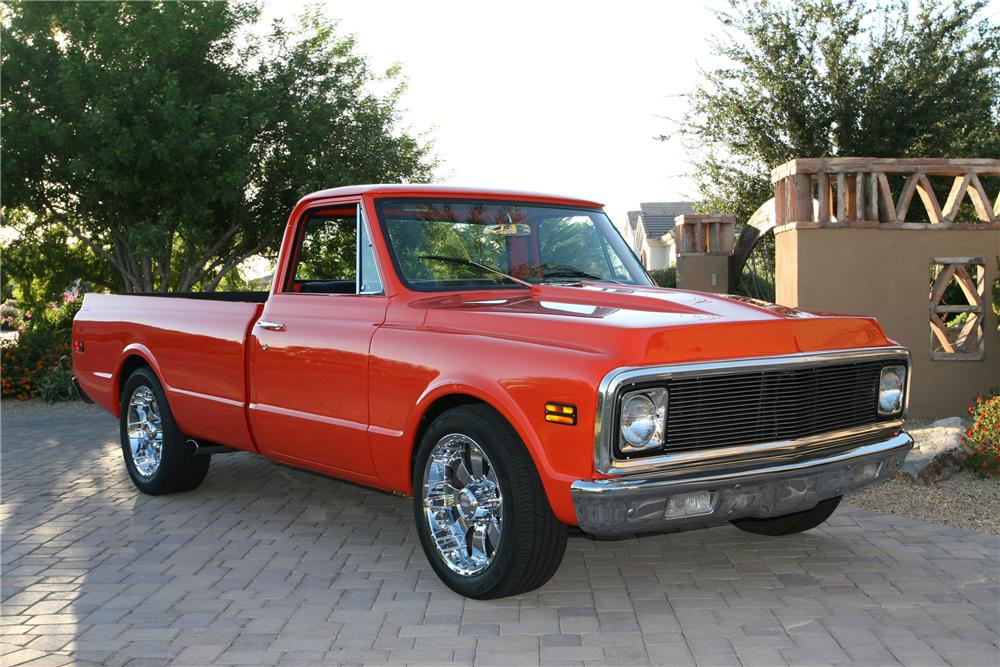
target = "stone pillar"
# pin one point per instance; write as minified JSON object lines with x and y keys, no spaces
{"x":704,"y":244}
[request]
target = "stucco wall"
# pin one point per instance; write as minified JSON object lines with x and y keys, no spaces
{"x":696,"y":271}
{"x":885,"y":273}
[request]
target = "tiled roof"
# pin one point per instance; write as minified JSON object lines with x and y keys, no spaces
{"x":633,"y":219}
{"x":658,"y":217}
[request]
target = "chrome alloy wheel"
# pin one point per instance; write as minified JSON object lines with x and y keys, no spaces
{"x":463,"y":504}
{"x":145,"y":434}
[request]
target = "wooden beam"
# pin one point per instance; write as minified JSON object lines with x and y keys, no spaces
{"x":957,"y":356}
{"x":936,"y":166}
{"x":940,"y":332}
{"x":803,"y":198}
{"x":823,"y":191}
{"x":859,"y":197}
{"x":968,"y":287}
{"x":871,"y":197}
{"x":842,"y":188}
{"x":962,"y":308}
{"x":929,"y":199}
{"x":958,"y":188}
{"x":886,"y":209}
{"x":903,"y":205}
{"x":941,"y":283}
{"x":970,"y":327}
{"x":980,"y":200}
{"x":959,"y":260}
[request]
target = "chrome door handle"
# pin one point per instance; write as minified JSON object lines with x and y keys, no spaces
{"x":270,"y":326}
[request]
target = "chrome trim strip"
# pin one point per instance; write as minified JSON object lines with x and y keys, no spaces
{"x":80,"y":392}
{"x":605,"y":464}
{"x":365,"y":225}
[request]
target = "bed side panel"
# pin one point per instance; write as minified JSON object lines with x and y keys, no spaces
{"x":195,"y":347}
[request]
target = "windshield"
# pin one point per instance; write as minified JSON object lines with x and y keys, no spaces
{"x":452,"y":245}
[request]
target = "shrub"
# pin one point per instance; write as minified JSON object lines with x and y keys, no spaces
{"x":10,"y":316}
{"x":983,"y":437}
{"x":55,"y":384}
{"x":33,"y":364}
{"x":665,"y":277}
{"x":27,"y":359}
{"x":59,"y":316}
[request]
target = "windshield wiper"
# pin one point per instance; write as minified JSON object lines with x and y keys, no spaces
{"x":485,"y":267}
{"x":567,"y":271}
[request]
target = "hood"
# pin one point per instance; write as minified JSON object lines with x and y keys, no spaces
{"x":648,"y":325}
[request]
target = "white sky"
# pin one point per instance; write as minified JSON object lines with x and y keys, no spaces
{"x":548,"y":96}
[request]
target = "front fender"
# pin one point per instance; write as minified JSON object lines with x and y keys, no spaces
{"x":529,"y":425}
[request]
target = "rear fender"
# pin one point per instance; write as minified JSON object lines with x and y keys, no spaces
{"x":135,"y":350}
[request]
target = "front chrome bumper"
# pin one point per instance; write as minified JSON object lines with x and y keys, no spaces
{"x":760,"y":488}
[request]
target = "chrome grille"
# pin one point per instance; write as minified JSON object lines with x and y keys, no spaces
{"x":770,"y":405}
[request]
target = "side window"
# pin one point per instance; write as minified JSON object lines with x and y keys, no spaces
{"x":330,"y":254}
{"x":369,"y":282}
{"x":327,"y":256}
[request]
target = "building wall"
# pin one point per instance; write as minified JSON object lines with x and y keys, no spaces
{"x":658,"y":256}
{"x":886,"y":273}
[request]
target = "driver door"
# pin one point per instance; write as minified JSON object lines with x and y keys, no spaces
{"x":308,"y":352}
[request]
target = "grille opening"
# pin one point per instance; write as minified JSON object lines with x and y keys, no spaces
{"x":752,"y":407}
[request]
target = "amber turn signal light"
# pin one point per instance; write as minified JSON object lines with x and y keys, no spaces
{"x":560,"y":413}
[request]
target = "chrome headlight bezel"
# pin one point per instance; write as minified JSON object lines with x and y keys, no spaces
{"x":651,"y":401}
{"x":892,"y":385}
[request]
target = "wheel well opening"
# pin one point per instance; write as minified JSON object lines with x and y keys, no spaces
{"x":129,"y":366}
{"x":433,"y":411}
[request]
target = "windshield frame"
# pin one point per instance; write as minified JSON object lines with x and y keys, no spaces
{"x":391,"y":250}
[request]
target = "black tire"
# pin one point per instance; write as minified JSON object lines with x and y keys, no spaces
{"x":790,"y":523}
{"x":179,"y":468}
{"x":532,"y":540}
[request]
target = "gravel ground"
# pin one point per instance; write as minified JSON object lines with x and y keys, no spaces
{"x":964,"y":501}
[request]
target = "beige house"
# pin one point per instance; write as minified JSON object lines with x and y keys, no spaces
{"x":650,"y":232}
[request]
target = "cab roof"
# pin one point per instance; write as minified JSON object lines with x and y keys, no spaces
{"x":423,"y":190}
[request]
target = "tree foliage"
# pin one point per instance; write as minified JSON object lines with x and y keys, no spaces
{"x":171,"y":140}
{"x":816,"y":78}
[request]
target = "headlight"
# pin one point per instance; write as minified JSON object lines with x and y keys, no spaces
{"x":890,"y":390}
{"x":643,"y":420}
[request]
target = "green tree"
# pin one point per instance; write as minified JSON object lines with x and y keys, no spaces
{"x":41,"y":261}
{"x":172,"y":142}
{"x":814,"y":78}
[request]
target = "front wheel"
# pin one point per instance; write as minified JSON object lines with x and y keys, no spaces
{"x":790,"y":523}
{"x":482,"y":515}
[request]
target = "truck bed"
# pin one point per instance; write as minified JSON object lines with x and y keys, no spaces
{"x":194,"y":341}
{"x":242,"y":297}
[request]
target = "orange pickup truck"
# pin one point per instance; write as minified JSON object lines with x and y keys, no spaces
{"x":503,"y":358}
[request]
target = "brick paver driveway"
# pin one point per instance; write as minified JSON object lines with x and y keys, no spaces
{"x":266,"y":564}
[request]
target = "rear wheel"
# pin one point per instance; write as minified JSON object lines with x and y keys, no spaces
{"x":482,"y":515}
{"x":156,"y":454}
{"x":790,"y":523}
